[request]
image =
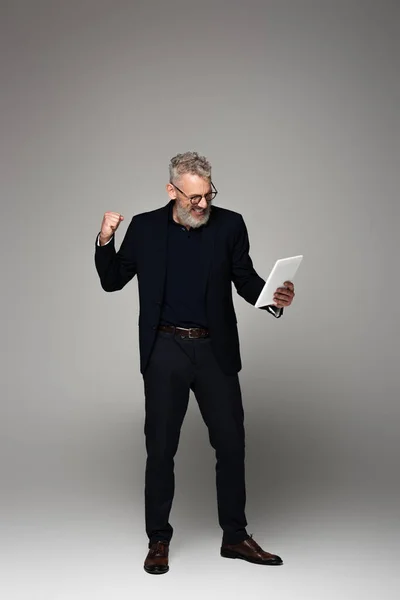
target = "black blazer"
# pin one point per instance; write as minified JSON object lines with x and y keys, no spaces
{"x":143,"y":252}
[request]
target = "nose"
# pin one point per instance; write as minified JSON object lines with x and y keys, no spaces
{"x":203,"y":203}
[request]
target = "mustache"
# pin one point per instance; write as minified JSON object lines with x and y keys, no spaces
{"x":206,"y":209}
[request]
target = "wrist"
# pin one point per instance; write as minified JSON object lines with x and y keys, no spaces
{"x":103,"y":239}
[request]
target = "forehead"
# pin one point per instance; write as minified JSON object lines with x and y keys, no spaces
{"x":194,"y":184}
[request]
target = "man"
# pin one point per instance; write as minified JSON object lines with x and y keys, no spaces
{"x":186,"y":256}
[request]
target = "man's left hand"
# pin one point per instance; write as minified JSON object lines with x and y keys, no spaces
{"x":284,"y":295}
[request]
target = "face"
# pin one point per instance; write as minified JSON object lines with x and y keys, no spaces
{"x":187,"y":214}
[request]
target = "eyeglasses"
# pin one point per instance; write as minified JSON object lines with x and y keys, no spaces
{"x":197,"y":198}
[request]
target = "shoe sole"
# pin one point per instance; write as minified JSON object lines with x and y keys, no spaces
{"x":231,"y":554}
{"x":151,"y":572}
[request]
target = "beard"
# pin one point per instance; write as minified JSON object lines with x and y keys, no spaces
{"x":188,"y":219}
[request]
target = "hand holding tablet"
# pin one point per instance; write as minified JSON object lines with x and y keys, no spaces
{"x":283,"y":270}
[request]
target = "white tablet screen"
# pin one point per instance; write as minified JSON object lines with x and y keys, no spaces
{"x":283,"y":270}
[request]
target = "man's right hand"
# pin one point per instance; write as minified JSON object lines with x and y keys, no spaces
{"x":109,"y":226}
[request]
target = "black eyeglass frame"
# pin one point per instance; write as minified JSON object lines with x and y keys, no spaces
{"x":191,"y":198}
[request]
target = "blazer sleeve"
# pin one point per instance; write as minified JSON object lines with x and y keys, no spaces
{"x":246,"y":280}
{"x":115,"y":269}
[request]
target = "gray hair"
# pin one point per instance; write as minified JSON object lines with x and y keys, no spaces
{"x":189,"y":162}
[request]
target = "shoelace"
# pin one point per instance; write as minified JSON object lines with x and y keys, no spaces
{"x":254,"y":544}
{"x":159,"y":549}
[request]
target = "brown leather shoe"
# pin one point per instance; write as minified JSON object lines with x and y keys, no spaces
{"x":249,"y":550}
{"x":156,"y":561}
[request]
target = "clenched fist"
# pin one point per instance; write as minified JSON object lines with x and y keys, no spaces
{"x":109,"y":226}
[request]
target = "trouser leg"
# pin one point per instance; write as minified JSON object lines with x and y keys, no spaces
{"x":167,"y":385}
{"x":220,"y":402}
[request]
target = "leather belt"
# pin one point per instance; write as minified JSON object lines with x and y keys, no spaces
{"x":193,"y":333}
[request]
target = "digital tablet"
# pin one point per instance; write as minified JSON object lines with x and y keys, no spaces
{"x":283,"y":270}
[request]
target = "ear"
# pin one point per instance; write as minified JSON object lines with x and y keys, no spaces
{"x":171,"y":191}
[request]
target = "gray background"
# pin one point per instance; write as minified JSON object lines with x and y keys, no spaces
{"x":296,"y":106}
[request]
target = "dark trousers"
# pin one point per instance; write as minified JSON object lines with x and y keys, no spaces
{"x":177,"y":366}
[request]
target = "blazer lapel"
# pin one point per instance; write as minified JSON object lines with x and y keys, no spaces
{"x":159,"y":234}
{"x":208,"y":243}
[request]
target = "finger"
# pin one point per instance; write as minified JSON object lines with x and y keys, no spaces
{"x":114,"y":215}
{"x":284,"y":293}
{"x":281,"y":302}
{"x":289,"y":285}
{"x":113,"y":221}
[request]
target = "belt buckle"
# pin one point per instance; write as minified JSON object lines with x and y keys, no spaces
{"x":192,"y":337}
